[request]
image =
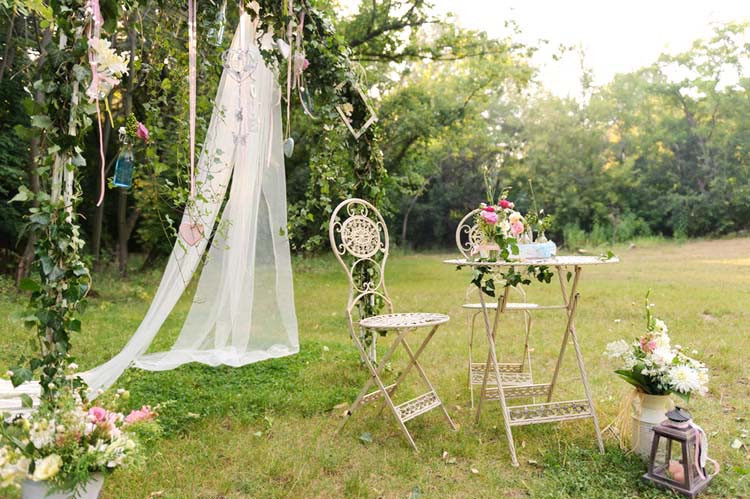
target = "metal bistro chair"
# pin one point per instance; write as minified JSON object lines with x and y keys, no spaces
{"x":512,"y":373}
{"x":359,"y":239}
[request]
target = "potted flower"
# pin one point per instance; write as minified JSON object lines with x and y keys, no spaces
{"x":67,"y":445}
{"x":656,"y":369}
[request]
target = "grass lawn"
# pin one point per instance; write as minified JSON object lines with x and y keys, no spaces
{"x":267,"y":430}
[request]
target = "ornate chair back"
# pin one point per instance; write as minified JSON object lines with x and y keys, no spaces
{"x":359,"y":239}
{"x":467,"y":234}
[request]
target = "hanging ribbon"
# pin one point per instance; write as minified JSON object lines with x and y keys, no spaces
{"x":300,"y":65}
{"x":94,"y":31}
{"x":192,"y":75}
{"x":289,"y":35}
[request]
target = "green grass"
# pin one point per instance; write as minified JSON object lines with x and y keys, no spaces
{"x":267,"y":430}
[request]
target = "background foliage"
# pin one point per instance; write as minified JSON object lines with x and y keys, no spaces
{"x":647,"y":153}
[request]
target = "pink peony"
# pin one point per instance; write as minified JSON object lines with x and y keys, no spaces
{"x":489,"y":208}
{"x":142,"y":132}
{"x":516,"y":228}
{"x":504,"y":203}
{"x":647,"y":345}
{"x":489,"y":216}
{"x":143,"y":414}
{"x":99,"y":414}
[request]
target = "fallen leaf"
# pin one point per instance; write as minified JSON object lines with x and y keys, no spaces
{"x":532,"y":461}
{"x":258,"y":433}
{"x":451,"y":461}
{"x":366,"y":438}
{"x":342,"y":405}
{"x":736,"y":444}
{"x":475,"y":471}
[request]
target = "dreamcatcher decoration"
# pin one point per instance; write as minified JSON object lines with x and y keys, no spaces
{"x":346,"y":110}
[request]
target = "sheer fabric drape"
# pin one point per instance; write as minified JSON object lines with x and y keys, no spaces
{"x":243,"y":308}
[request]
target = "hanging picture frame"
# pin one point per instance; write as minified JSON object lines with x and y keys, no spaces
{"x":346,"y":113}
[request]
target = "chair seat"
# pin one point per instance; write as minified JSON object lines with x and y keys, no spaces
{"x":508,"y":306}
{"x":403,"y":321}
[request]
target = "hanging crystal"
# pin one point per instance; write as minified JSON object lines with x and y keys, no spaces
{"x":124,"y":168}
{"x":216,"y":32}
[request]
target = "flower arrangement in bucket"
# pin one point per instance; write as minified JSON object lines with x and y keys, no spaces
{"x":67,"y":445}
{"x":656,"y":369}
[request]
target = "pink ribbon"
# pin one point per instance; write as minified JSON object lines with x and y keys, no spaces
{"x":192,"y":46}
{"x":94,"y":31}
{"x":701,"y":444}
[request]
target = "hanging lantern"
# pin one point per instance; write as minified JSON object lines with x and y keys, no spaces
{"x":124,"y":168}
{"x":687,"y":473}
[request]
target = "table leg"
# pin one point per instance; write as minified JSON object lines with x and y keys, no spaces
{"x":571,"y":301}
{"x":492,"y":361}
{"x":570,"y":310}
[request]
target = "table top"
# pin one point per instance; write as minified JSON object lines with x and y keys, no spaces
{"x":555,"y":261}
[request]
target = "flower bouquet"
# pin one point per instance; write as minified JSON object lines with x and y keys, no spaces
{"x":67,"y":445}
{"x":498,"y":226}
{"x":656,"y":369}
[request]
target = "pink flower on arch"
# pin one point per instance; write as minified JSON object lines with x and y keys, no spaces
{"x":489,"y":216}
{"x":142,"y":132}
{"x":516,"y":228}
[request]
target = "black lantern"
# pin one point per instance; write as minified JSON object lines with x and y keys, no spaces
{"x":685,"y":474}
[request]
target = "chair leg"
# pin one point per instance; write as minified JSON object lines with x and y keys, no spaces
{"x":471,"y":322}
{"x":374,"y":376}
{"x":421,"y":372}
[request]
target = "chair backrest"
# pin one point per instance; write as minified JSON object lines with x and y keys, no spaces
{"x":467,"y":234}
{"x":467,"y":237}
{"x":359,"y":239}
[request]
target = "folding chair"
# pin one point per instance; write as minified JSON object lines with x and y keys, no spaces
{"x":359,"y":239}
{"x":512,"y":373}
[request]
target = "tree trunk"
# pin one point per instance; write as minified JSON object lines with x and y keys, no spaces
{"x":27,"y":257}
{"x":405,"y":222}
{"x":124,"y":225}
{"x":9,"y":53}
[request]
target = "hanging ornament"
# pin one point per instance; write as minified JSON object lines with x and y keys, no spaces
{"x":346,"y":110}
{"x":216,"y":32}
{"x":124,"y":168}
{"x":289,"y":147}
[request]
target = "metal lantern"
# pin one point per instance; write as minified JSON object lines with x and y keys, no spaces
{"x":124,"y":168}
{"x":687,"y":473}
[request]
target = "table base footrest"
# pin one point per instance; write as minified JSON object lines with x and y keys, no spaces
{"x":517,"y":391}
{"x":510,"y":373}
{"x":548,"y":412}
{"x":416,"y":406}
{"x":377,"y":394}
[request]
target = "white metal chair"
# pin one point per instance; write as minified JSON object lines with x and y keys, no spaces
{"x":359,"y":239}
{"x":513,"y":373}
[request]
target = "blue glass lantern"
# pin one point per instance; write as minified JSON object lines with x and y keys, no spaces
{"x":124,"y":169}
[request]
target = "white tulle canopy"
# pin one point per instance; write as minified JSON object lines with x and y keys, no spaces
{"x":243,"y":308}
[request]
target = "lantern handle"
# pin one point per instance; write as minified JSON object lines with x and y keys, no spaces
{"x":717,"y":467}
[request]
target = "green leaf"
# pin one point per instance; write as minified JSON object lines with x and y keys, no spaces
{"x":683,"y":396}
{"x":28,"y":284}
{"x":41,"y":121}
{"x":20,"y":375}
{"x":26,"y":401}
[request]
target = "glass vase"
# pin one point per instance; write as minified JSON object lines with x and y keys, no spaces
{"x":124,"y":168}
